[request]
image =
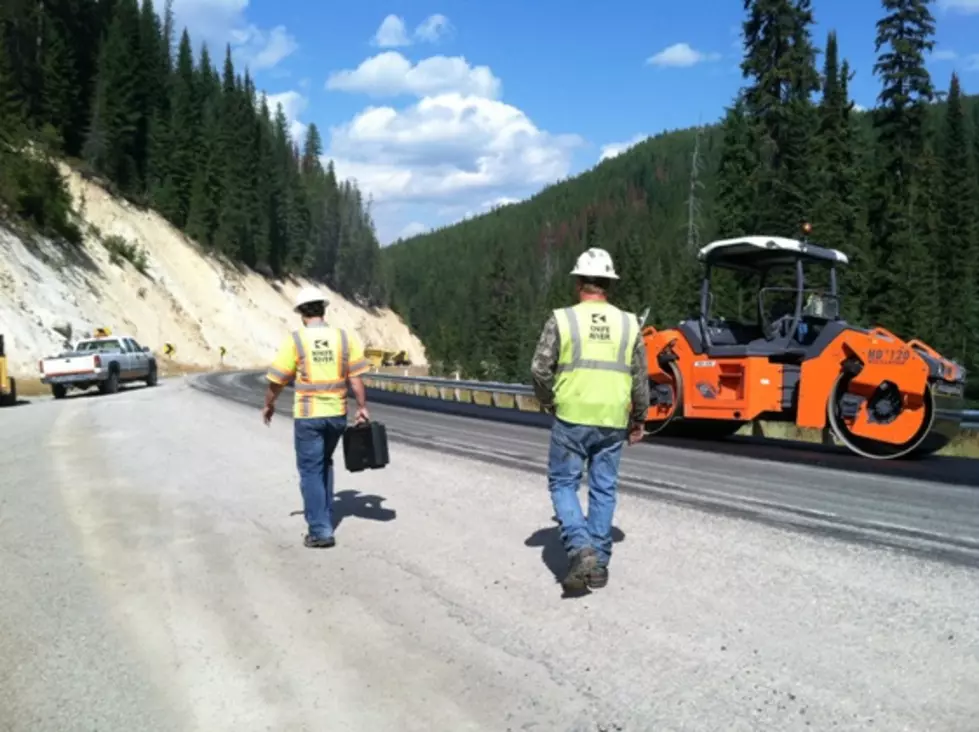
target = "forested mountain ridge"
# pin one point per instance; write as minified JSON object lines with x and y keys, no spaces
{"x":895,"y":188}
{"x":107,"y":85}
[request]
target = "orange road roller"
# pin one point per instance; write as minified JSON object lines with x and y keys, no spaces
{"x":792,"y":358}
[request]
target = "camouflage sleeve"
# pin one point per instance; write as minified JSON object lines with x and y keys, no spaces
{"x":640,"y":383}
{"x":544,"y":363}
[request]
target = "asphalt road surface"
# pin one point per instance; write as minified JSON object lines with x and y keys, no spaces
{"x":152,"y":576}
{"x":929,"y":506}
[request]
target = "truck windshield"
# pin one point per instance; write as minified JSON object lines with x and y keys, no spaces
{"x":98,"y":346}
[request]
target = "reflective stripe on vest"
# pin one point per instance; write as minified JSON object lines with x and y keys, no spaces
{"x":620,"y":365}
{"x":590,"y":389}
{"x":332,"y":385}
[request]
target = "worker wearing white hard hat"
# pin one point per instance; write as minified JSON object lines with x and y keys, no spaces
{"x":595,"y":263}
{"x":309,"y":296}
{"x":322,"y":361}
{"x":589,"y":371}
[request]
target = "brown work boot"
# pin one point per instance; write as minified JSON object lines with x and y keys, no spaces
{"x":583,"y":563}
{"x":597,"y":578}
{"x":319,"y":542}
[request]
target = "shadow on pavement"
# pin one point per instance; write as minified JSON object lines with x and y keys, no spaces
{"x":357,"y":505}
{"x":555,"y":558}
{"x":360,"y":505}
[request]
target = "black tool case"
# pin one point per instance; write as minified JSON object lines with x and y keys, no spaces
{"x":365,"y":446}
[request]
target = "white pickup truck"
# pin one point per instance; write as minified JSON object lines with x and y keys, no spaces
{"x":105,"y":362}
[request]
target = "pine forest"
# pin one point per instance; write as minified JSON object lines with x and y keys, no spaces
{"x":107,"y":85}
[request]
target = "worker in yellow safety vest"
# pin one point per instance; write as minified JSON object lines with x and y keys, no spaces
{"x":323,"y":361}
{"x":589,"y":371}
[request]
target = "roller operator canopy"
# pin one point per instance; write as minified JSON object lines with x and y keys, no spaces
{"x":761,"y":252}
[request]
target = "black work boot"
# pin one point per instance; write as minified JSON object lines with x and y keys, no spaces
{"x":598,"y":577}
{"x":319,"y":542}
{"x":583,"y":563}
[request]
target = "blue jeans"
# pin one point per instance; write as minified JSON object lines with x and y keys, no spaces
{"x":572,"y":446}
{"x":316,"y":438}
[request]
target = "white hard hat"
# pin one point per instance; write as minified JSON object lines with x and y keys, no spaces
{"x":595,"y":263}
{"x":308,"y":295}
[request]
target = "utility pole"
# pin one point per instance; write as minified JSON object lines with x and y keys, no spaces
{"x":693,"y":204}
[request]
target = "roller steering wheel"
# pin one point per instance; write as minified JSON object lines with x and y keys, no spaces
{"x":779,"y":327}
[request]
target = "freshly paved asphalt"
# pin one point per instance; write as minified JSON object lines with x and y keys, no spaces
{"x":927,"y":506}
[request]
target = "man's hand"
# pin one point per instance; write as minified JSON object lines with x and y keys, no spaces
{"x":362,"y":415}
{"x":271,"y":394}
{"x":636,"y":433}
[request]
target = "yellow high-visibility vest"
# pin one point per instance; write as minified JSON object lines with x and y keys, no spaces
{"x":593,"y":385}
{"x":320,"y":358}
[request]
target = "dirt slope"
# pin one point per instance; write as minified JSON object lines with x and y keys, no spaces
{"x":185,"y":298}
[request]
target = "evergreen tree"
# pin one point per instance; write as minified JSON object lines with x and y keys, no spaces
{"x":903,"y":38}
{"x":736,"y":175}
{"x":839,"y":218}
{"x":779,"y":66}
{"x":12,"y":117}
{"x":975,"y":148}
{"x":958,"y":247}
{"x":60,"y":95}
{"x":502,"y":327}
{"x":183,"y":154}
{"x":112,"y":143}
{"x":631,"y":291}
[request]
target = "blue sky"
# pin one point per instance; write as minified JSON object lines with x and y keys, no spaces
{"x":444,"y":109}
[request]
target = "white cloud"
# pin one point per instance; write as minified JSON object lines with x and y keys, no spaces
{"x":970,"y":62}
{"x":390,"y":74}
{"x":220,"y":22}
{"x":451,"y":149}
{"x":448,"y":147}
{"x":293,"y":105}
{"x":413,"y":229}
{"x":680,"y":55}
{"x":967,"y":7}
{"x":433,"y":28}
{"x":274,"y":46}
{"x":617,"y":148}
{"x":391,"y":33}
{"x":499,"y":202}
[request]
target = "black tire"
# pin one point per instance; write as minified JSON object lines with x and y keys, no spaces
{"x":872,"y":448}
{"x":9,"y":398}
{"x":59,"y":391}
{"x":666,"y":427}
{"x":111,"y":384}
{"x":151,"y":378}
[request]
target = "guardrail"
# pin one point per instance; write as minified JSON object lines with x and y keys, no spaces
{"x":503,"y":395}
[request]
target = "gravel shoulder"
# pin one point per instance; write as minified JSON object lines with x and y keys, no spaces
{"x":153,"y":577}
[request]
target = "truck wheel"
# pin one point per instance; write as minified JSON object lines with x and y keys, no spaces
{"x":10,"y":398}
{"x":59,"y":391}
{"x":111,"y":384}
{"x":151,"y":378}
